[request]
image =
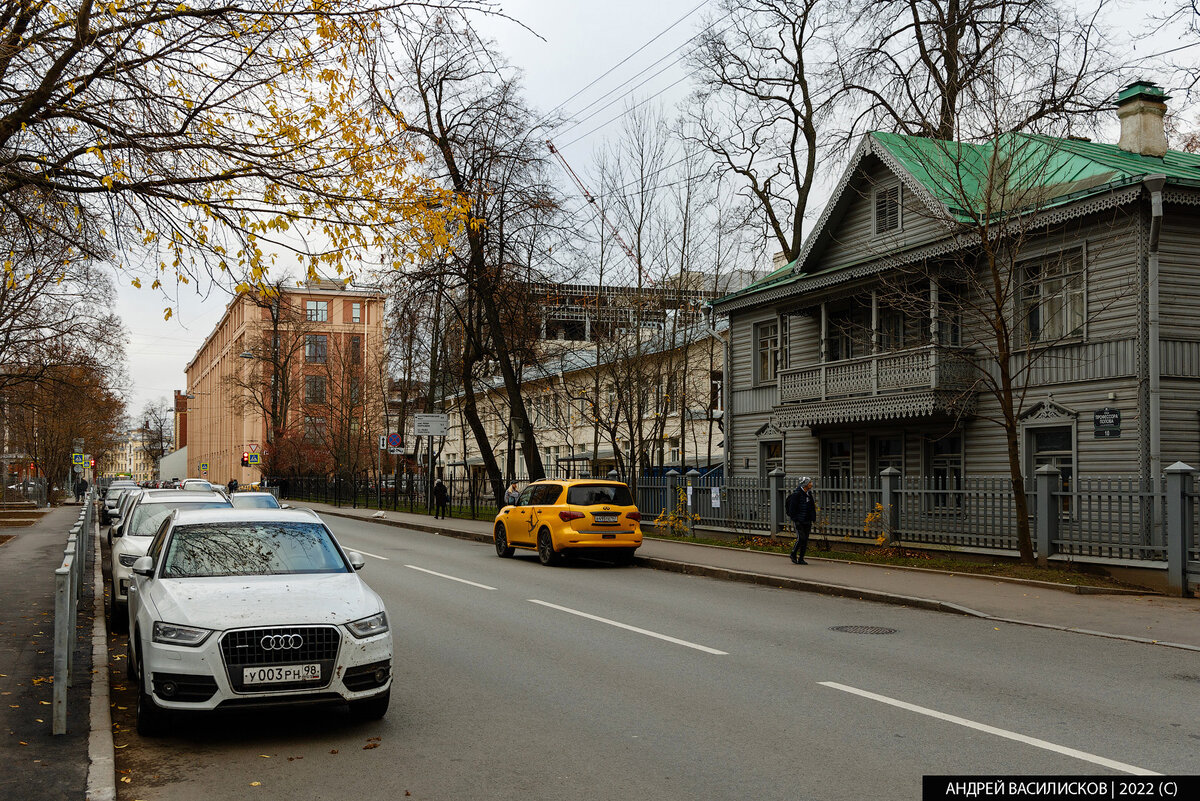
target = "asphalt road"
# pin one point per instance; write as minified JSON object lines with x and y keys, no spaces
{"x":593,"y":681}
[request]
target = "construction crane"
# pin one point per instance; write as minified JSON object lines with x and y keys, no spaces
{"x":591,"y":199}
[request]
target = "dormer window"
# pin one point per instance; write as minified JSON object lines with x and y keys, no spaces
{"x":887,"y":209}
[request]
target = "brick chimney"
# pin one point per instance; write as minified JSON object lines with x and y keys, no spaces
{"x":1140,"y":107}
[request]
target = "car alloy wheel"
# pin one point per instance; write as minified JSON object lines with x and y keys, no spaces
{"x":503,"y":549}
{"x":545,"y":546}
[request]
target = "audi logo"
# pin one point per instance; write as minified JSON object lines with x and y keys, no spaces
{"x":281,"y":642}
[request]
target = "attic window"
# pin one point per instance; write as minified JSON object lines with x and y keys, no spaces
{"x":887,"y":209}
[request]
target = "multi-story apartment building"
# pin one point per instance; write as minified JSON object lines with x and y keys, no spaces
{"x":876,"y":348}
{"x":293,"y":380}
{"x":653,"y":406}
{"x":131,"y":457}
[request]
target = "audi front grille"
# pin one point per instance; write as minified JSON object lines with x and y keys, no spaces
{"x":284,"y":645}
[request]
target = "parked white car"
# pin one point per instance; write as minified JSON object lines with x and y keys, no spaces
{"x":235,"y":608}
{"x":131,"y":537}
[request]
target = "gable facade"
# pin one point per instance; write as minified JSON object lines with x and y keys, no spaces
{"x":856,"y":386}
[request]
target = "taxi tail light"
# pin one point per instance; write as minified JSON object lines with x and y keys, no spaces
{"x":567,"y":517}
{"x":635,"y":516}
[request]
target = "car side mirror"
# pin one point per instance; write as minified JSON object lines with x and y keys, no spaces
{"x":284,"y":506}
{"x":144,"y":566}
{"x":115,"y":526}
{"x":356,"y":560}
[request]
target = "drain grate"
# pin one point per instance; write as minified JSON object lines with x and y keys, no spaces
{"x":863,"y":629}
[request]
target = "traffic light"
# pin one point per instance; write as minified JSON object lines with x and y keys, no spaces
{"x":245,"y":458}
{"x":92,"y":463}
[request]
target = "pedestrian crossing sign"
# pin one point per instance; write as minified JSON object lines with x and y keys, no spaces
{"x":77,"y":458}
{"x":254,"y":458}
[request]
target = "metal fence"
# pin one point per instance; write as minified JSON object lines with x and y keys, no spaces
{"x":68,"y":588}
{"x":1114,"y":518}
{"x":30,"y":490}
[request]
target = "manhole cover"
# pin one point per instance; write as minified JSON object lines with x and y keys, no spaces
{"x":863,"y":629}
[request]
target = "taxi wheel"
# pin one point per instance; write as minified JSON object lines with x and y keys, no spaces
{"x":545,"y":547}
{"x":624,"y":556}
{"x":503,"y":549}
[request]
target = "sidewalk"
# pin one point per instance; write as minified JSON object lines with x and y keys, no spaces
{"x":1156,"y":619}
{"x":35,"y":764}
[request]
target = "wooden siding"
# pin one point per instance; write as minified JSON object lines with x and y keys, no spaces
{"x":1180,"y":420}
{"x":1179,"y":273}
{"x":1075,"y":362}
{"x":854,"y":238}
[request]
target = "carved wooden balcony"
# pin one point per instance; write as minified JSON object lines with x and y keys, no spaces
{"x":896,"y":384}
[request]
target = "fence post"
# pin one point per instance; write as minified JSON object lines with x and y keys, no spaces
{"x":1180,"y":478}
{"x":62,"y":626}
{"x":889,"y":480}
{"x":672,"y":498}
{"x":692,"y":475}
{"x":1048,"y":478}
{"x":775,"y":502}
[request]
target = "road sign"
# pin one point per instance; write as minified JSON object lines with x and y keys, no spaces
{"x":204,"y":467}
{"x":77,"y":458}
{"x":395,"y":451}
{"x":255,"y":458}
{"x":393,"y":440}
{"x":254,"y":447}
{"x":431,"y":425}
{"x":78,"y":468}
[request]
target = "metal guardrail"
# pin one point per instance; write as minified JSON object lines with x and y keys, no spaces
{"x":68,"y":588}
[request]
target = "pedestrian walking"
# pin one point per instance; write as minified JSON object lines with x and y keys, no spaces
{"x":801,"y":507}
{"x":512,"y":495}
{"x":439,"y":500}
{"x":232,"y":485}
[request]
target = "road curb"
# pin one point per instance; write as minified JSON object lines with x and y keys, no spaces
{"x":102,"y":773}
{"x":800,"y":585}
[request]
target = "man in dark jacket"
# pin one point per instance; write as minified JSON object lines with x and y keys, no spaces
{"x":802,"y":508}
{"x":440,"y":497}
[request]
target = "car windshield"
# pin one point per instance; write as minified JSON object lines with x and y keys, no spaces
{"x":253,"y":501}
{"x":598,"y":494}
{"x":148,"y":516}
{"x":251,"y":549}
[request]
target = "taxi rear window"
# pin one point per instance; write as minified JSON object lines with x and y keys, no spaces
{"x":599,"y":494}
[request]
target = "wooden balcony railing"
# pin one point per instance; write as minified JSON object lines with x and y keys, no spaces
{"x":927,"y":367}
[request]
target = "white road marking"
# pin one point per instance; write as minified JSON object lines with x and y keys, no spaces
{"x":970,"y":724}
{"x":365,"y":553}
{"x":627,"y":627}
{"x":452,"y":578}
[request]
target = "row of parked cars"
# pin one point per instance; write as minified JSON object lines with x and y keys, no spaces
{"x":231,"y":601}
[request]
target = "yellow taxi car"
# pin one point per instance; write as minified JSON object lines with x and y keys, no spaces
{"x":559,"y":517}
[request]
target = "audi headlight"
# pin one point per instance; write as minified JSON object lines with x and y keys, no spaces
{"x":369,"y":626}
{"x":128,"y":559}
{"x":173,"y":634}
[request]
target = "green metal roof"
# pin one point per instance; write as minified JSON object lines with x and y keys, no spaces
{"x":1015,"y":172}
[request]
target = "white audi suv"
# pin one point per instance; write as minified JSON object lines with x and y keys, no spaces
{"x":236,"y":608}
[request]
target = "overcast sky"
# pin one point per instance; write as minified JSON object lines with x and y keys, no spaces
{"x":572,"y":43}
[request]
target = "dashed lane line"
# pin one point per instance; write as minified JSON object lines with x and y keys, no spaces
{"x":451,"y":578}
{"x":628,"y":627}
{"x":983,"y":727}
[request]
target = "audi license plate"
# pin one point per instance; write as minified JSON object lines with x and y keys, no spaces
{"x":281,"y":674}
{"x":605,"y":518}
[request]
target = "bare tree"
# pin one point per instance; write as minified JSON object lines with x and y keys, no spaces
{"x":996,"y":305}
{"x":759,"y":106}
{"x":942,"y":68}
{"x":484,"y":146}
{"x":158,"y":427}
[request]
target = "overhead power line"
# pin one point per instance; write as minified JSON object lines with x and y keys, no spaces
{"x":631,"y":55}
